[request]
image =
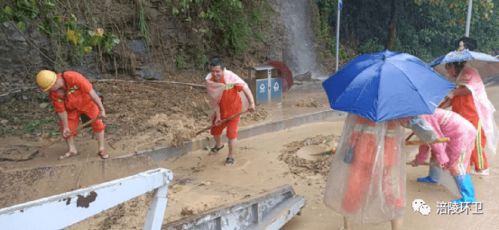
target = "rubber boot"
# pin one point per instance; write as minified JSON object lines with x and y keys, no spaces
{"x":433,"y":177}
{"x":466,"y":189}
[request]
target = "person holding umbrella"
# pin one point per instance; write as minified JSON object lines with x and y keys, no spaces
{"x":453,"y":65}
{"x":464,"y":43}
{"x":461,"y":44}
{"x":380,"y":91}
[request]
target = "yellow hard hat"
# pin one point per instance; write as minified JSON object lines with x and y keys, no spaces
{"x":46,"y":79}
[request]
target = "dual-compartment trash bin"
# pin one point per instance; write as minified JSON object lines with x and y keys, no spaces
{"x":265,"y":84}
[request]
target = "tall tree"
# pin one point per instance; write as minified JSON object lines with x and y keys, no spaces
{"x":392,"y":26}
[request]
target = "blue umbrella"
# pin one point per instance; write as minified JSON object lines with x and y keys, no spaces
{"x":386,"y":85}
{"x":486,"y":65}
{"x":464,"y":55}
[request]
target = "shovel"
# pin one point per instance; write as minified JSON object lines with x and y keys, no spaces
{"x":81,"y":126}
{"x":439,"y":140}
{"x":221,"y":122}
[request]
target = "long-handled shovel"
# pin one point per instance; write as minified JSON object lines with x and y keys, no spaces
{"x":81,"y":126}
{"x":87,"y":123}
{"x":418,"y":142}
{"x":221,"y":122}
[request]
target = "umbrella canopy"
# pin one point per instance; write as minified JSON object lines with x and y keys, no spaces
{"x":386,"y":85}
{"x":486,"y":65}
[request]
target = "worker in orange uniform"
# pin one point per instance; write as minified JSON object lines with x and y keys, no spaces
{"x":224,"y":88}
{"x":470,"y":100}
{"x":366,"y":182}
{"x":72,"y":95}
{"x":364,"y":137}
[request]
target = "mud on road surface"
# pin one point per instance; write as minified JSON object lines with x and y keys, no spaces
{"x":310,"y":156}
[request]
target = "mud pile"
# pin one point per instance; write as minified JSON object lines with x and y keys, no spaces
{"x":310,"y":156}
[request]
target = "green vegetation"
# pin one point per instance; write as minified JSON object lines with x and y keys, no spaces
{"x":325,"y":30}
{"x":61,"y":26}
{"x":230,"y":23}
{"x":425,"y":28}
{"x":180,"y":61}
{"x":78,"y":29}
{"x":226,"y":23}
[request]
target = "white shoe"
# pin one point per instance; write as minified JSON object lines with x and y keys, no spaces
{"x":484,"y":172}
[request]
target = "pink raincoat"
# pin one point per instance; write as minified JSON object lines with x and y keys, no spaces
{"x":458,"y":150}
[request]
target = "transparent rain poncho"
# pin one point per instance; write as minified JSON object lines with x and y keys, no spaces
{"x":215,"y":89}
{"x":470,"y":78}
{"x":366,"y":181}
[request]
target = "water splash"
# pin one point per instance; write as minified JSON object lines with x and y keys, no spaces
{"x":301,"y":55}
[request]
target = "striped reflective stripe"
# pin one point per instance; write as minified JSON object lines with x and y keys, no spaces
{"x":478,"y":145}
{"x":73,"y":89}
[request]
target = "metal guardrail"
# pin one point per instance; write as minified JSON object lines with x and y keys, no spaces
{"x":60,"y":211}
{"x":270,"y":210}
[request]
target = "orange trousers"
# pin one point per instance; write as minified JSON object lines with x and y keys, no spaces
{"x":231,"y":126}
{"x":92,"y":111}
{"x":361,"y":172}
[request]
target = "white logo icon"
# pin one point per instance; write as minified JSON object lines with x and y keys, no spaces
{"x":416,"y":204}
{"x":262,"y":88}
{"x":425,"y":210}
{"x":276,"y":87}
{"x":419,"y":205}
